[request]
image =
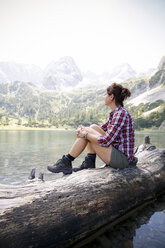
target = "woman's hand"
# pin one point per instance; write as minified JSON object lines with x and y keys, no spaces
{"x":81,"y":131}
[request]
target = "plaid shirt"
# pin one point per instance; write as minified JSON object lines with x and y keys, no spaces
{"x":119,"y":128}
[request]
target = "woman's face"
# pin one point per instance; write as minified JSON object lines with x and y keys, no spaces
{"x":108,"y":99}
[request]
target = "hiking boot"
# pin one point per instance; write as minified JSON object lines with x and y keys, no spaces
{"x":88,"y":163}
{"x":62,"y":165}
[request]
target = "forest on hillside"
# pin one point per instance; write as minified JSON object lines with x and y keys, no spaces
{"x":22,"y":104}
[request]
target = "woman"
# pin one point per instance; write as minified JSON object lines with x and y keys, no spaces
{"x":113,"y":141}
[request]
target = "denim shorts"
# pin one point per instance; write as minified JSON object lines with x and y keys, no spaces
{"x":118,"y":159}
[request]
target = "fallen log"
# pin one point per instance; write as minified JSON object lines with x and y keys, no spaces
{"x":62,"y":212}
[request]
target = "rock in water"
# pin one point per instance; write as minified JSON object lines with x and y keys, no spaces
{"x":32,"y":174}
{"x":41,"y":176}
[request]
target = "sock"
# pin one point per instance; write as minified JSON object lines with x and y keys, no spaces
{"x":92,"y":156}
{"x":69,"y":157}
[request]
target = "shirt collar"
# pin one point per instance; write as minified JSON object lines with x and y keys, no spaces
{"x":116,"y":109}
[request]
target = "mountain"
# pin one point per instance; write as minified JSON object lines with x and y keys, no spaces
{"x":149,"y":96}
{"x":137,"y":86}
{"x":122,"y":72}
{"x":11,"y":71}
{"x":148,"y":72}
{"x":157,"y":79}
{"x":147,"y":89}
{"x":161,"y":65}
{"x":30,"y":105}
{"x":63,"y":73}
{"x":26,"y":104}
{"x":3,"y":77}
{"x":119,"y":73}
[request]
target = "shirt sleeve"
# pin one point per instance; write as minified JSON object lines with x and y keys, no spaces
{"x":104,"y":125}
{"x":114,"y":129}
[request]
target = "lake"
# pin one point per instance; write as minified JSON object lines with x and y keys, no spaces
{"x":20,"y":151}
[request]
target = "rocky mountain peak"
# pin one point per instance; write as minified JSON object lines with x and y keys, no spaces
{"x":120,"y":73}
{"x":62,"y":73}
{"x":161,"y":63}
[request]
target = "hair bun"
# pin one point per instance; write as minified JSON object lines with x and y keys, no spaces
{"x":120,"y":93}
{"x":125,"y":93}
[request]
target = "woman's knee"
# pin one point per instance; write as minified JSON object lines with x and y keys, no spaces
{"x":97,"y":129}
{"x":94,"y":126}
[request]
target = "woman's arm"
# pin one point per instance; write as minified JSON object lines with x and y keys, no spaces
{"x":118,"y":121}
{"x":104,"y":125}
{"x":87,"y":133}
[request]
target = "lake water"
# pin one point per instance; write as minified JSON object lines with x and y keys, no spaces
{"x":20,"y":151}
{"x":144,"y":229}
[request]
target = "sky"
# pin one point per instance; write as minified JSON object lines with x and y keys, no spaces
{"x":98,"y":34}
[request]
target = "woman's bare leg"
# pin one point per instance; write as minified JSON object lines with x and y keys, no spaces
{"x":94,"y":128}
{"x":63,"y":165}
{"x":80,"y":144}
{"x":104,"y":153}
{"x":78,"y":147}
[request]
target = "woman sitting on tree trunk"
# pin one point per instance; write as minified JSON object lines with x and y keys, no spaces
{"x":113,"y":141}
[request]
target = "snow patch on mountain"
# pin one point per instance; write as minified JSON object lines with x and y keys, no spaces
{"x":151,"y":95}
{"x":151,"y":111}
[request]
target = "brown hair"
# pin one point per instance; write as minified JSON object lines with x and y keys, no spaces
{"x":120,"y":93}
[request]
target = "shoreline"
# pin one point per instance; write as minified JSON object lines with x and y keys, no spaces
{"x":23,"y":128}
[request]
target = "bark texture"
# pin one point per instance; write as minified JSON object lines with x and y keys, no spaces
{"x":60,"y":213}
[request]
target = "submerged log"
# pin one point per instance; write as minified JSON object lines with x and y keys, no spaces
{"x":62,"y":212}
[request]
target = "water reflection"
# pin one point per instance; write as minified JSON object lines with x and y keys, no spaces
{"x":144,"y":229}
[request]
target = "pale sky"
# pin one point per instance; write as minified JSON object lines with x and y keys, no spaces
{"x":98,"y":34}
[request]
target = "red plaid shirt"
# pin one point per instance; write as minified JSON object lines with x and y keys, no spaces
{"x":119,"y":128}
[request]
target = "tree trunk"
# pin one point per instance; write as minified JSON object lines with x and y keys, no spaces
{"x":60,"y":213}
